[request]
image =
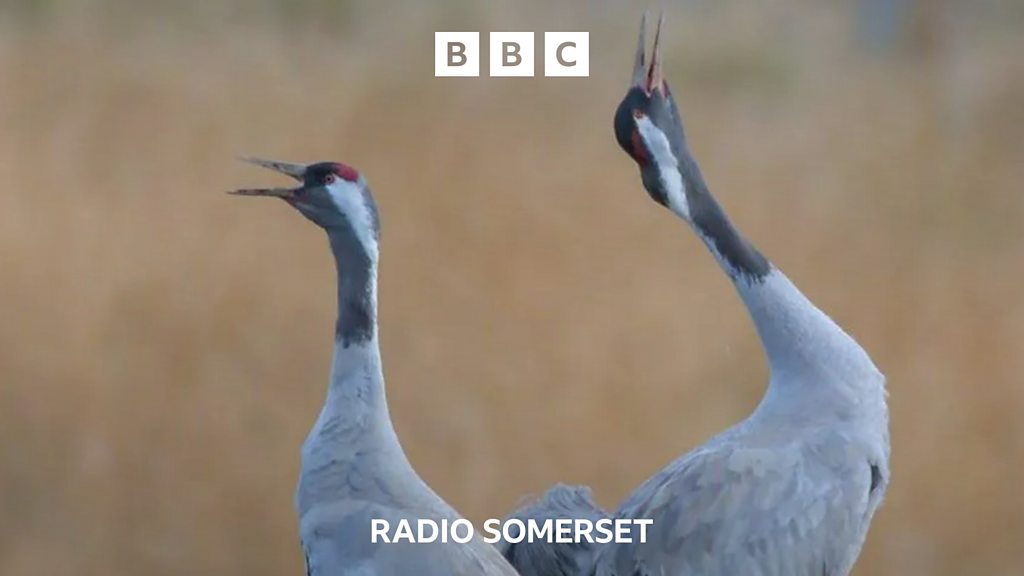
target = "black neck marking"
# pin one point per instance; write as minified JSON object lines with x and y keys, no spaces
{"x":710,"y":219}
{"x":357,"y":307}
{"x":707,"y":214}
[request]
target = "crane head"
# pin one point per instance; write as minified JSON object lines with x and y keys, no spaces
{"x":648,"y":127}
{"x":330,"y":194}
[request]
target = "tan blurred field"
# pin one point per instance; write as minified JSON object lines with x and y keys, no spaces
{"x":164,"y":347}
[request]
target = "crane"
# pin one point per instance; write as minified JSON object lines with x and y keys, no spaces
{"x":790,"y":490}
{"x":354,"y":471}
{"x":541,"y":557}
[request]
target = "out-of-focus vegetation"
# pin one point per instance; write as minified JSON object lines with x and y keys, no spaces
{"x":164,"y":347}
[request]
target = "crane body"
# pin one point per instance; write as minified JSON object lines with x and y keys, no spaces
{"x":792,"y":489}
{"x":353,"y":468}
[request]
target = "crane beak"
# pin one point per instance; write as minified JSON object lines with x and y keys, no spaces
{"x":296,"y":171}
{"x":652,"y":77}
{"x":286,"y":193}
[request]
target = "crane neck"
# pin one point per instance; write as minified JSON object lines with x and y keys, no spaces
{"x":357,"y":288}
{"x":696,"y":206}
{"x":354,"y":421}
{"x":356,"y":388}
{"x":801,"y":342}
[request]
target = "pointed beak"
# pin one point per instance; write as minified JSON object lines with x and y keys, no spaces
{"x":296,"y":171}
{"x":286,"y":193}
{"x":649,"y":77}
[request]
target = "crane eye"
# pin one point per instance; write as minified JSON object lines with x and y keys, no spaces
{"x":329,"y":179}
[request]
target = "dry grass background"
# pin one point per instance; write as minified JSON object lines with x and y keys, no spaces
{"x":164,"y":347}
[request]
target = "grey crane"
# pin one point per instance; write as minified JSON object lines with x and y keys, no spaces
{"x":353,"y":467}
{"x":789,"y":491}
{"x":541,"y":558}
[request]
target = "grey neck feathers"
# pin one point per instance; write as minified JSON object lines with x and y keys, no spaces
{"x":800,"y":340}
{"x":736,"y":255}
{"x":357,"y":380}
{"x":357,"y":288}
{"x":353,"y":432}
{"x":802,"y":343}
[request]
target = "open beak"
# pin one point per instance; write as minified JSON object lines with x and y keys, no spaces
{"x":649,"y":78}
{"x":296,"y":171}
{"x":286,"y":193}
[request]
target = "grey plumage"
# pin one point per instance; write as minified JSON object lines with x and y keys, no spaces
{"x":758,"y":499}
{"x":353,"y":468}
{"x":543,"y":558}
{"x":791,"y":490}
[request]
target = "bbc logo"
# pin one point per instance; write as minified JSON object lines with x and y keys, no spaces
{"x":511,"y":54}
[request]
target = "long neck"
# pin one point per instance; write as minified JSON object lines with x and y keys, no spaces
{"x":357,"y":381}
{"x":357,"y":289}
{"x":354,"y":428}
{"x":802,"y":343}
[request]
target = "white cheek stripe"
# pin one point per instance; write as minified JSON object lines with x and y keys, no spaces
{"x":668,"y":166}
{"x":348,"y":197}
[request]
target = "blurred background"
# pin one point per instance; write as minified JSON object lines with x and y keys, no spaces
{"x":164,"y":347}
